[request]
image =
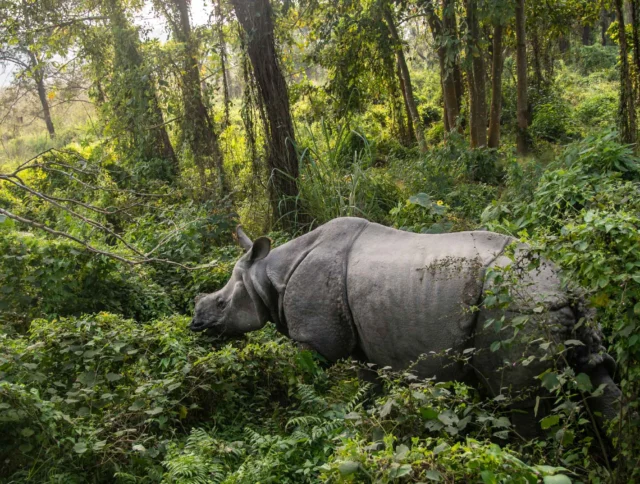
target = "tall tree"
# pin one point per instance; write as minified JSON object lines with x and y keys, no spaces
{"x":198,"y":128}
{"x":444,"y":32}
{"x":405,"y":78}
{"x":256,"y":19}
{"x":521,"y":61}
{"x":626,"y":108}
{"x":496,"y":85}
{"x":476,"y":78}
{"x":132,"y":102}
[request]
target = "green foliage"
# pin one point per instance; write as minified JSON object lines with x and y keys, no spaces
{"x":41,"y":277}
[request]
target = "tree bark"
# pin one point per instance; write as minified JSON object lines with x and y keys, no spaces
{"x":450,"y":26}
{"x":198,"y":126}
{"x":145,"y":123}
{"x":256,"y":19}
{"x":496,"y":87}
{"x":411,"y":134}
{"x":626,"y":109}
{"x":223,"y":61}
{"x":406,"y":79}
{"x":448,"y":76}
{"x":476,"y":80}
{"x":521,"y":61}
{"x":586,"y":35}
{"x":38,"y":76}
{"x":635,"y":24}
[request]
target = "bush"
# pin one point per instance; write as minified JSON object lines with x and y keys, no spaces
{"x":598,"y":110}
{"x":596,"y":57}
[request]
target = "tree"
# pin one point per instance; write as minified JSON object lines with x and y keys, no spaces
{"x":29,"y":48}
{"x":521,"y":61}
{"x":129,"y":97}
{"x":626,"y":108}
{"x":496,"y":86}
{"x":476,"y":78}
{"x":256,"y":20}
{"x":445,"y":34}
{"x":405,"y":78}
{"x":197,"y":126}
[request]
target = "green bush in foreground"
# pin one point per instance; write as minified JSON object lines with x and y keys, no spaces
{"x":103,"y":399}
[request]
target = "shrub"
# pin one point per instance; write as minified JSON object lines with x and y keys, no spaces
{"x":598,"y":110}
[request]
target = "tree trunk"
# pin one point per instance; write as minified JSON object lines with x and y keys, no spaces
{"x":476,"y":80}
{"x":145,"y":121}
{"x":604,"y":24}
{"x":586,"y":35}
{"x":223,"y":61}
{"x":38,"y":76}
{"x":447,"y":73}
{"x":496,"y":87}
{"x":406,"y":79}
{"x":411,"y":134}
{"x":635,"y":24}
{"x":255,"y":17}
{"x":563,"y":44}
{"x":198,"y":127}
{"x":521,"y":60}
{"x":450,"y":26}
{"x":626,"y":110}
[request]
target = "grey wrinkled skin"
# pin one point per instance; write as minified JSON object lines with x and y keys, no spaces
{"x":355,"y":288}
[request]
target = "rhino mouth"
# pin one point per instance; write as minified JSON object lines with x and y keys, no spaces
{"x":198,"y":326}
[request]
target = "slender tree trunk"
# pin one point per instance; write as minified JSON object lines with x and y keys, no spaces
{"x":496,"y":87}
{"x":563,"y":44}
{"x":626,"y":110}
{"x":197,"y":124}
{"x":447,"y":72}
{"x":521,"y":61}
{"x":146,"y":125}
{"x":450,"y":26}
{"x":586,"y":35}
{"x":406,"y":79}
{"x":256,"y":19}
{"x":38,"y":76}
{"x":223,"y":61}
{"x":604,"y":24}
{"x":635,"y":24}
{"x":411,"y":134}
{"x":476,"y":80}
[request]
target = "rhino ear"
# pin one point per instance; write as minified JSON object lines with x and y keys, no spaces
{"x":243,"y":240}
{"x":260,"y":250}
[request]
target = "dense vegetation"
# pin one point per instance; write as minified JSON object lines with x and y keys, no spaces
{"x":119,"y":198}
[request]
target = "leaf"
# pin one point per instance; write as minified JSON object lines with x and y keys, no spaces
{"x":433,"y":475}
{"x":386,"y":409}
{"x":428,"y":413}
{"x":80,"y":447}
{"x":137,"y":405}
{"x":348,"y":467}
{"x":550,"y":380}
{"x":557,"y":479}
{"x":401,"y":452}
{"x":573,"y":342}
{"x":154,"y":411}
{"x":488,"y":477}
{"x":114,"y":377}
{"x":584,"y":382}
{"x":421,"y":199}
{"x":139,"y":448}
{"x":403,"y":470}
{"x":495,"y":346}
{"x":549,"y":421}
{"x":27,"y":432}
{"x":440,"y":448}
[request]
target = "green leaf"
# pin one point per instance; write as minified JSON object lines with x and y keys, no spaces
{"x":80,"y":447}
{"x":403,"y":470}
{"x":495,"y":346}
{"x":488,"y":477}
{"x":154,"y":411}
{"x":348,"y":467}
{"x":428,"y":413}
{"x":421,"y":199}
{"x":549,"y":421}
{"x":433,"y":475}
{"x":440,"y":448}
{"x":584,"y":382}
{"x":114,"y":377}
{"x":27,"y":432}
{"x":550,"y":380}
{"x":557,"y":479}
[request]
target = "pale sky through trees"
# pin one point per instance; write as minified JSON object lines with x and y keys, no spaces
{"x":153,"y":26}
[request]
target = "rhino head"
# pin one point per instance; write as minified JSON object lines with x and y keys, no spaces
{"x":235,"y":309}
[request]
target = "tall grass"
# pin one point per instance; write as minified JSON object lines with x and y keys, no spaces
{"x":338,"y":179}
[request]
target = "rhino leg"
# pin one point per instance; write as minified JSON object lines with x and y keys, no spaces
{"x":607,"y":406}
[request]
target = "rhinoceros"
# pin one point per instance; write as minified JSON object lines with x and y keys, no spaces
{"x":394,"y":298}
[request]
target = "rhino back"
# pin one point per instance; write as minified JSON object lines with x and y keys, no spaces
{"x":411,"y":294}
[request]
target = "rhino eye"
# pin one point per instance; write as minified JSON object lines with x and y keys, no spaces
{"x":220,"y":304}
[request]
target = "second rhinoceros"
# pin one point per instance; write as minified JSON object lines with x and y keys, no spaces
{"x":389,"y":297}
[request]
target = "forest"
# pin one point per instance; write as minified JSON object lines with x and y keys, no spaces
{"x":136,"y":135}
